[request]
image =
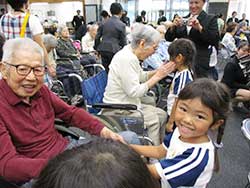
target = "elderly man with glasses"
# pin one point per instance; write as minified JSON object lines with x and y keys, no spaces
{"x":28,"y":138}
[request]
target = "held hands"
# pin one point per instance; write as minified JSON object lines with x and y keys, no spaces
{"x":107,"y":133}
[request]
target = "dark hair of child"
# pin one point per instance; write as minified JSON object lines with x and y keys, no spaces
{"x":215,"y":96}
{"x":186,"y":48}
{"x":101,"y":163}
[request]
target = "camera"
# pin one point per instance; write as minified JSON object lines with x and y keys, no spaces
{"x":185,"y":21}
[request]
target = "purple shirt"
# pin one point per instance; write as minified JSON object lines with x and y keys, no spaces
{"x":28,"y":138}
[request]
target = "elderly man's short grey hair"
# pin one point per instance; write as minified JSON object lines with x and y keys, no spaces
{"x":146,"y":33}
{"x":12,"y":46}
{"x":49,"y":41}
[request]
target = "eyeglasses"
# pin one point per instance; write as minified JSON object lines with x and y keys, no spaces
{"x":24,"y":70}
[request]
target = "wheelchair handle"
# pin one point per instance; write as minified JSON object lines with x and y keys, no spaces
{"x":115,"y":106}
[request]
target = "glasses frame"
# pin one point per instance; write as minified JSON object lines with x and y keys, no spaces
{"x":30,"y":69}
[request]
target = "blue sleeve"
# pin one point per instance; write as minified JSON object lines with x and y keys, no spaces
{"x":167,"y":139}
{"x":185,"y":169}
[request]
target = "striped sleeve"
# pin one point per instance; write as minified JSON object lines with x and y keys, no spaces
{"x":184,"y":169}
{"x":183,"y":79}
{"x":167,"y":139}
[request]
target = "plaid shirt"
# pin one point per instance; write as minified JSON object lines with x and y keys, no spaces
{"x":11,"y":26}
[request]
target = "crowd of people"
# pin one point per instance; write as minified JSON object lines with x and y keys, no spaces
{"x":136,"y":57}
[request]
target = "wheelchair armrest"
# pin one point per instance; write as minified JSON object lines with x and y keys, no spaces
{"x":61,"y":122}
{"x":115,"y":106}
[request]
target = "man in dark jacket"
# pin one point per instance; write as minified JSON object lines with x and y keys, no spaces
{"x":111,"y":36}
{"x":78,"y":20}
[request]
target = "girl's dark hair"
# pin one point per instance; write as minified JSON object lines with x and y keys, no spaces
{"x":104,"y":14}
{"x":101,"y":163}
{"x":214,"y":95}
{"x":184,"y":47}
{"x":17,"y":4}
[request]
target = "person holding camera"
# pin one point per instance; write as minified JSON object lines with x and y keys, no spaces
{"x":202,"y":29}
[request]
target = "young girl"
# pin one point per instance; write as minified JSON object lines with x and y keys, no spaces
{"x":182,"y":52}
{"x":189,"y":151}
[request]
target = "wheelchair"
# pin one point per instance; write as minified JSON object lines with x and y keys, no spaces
{"x":89,"y":89}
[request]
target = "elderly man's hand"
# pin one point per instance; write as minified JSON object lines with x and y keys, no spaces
{"x":107,"y":133}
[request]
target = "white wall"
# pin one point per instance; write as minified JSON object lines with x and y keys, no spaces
{"x":240,"y":6}
{"x":64,"y":12}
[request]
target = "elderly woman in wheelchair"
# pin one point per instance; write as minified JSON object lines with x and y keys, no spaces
{"x":65,"y":48}
{"x":128,"y":83}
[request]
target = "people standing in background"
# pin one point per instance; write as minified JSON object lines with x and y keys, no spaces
{"x":2,"y":12}
{"x":111,"y":36}
{"x":12,"y":24}
{"x":161,"y":18}
{"x":221,"y":24}
{"x":143,"y":16}
{"x":202,"y":29}
{"x":233,"y":18}
{"x":125,"y":19}
{"x":244,"y":19}
{"x":105,"y":16}
{"x":78,"y":20}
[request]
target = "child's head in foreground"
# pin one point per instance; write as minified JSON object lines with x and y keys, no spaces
{"x":101,"y":163}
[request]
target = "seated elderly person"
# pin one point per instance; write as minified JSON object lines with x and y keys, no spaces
{"x":127,"y":82}
{"x":28,"y":109}
{"x":88,"y":40}
{"x":161,"y":54}
{"x":66,"y":49}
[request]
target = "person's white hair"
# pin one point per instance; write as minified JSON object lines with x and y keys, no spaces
{"x":49,"y":41}
{"x":144,"y":32}
{"x":12,"y":46}
{"x":60,"y":28}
